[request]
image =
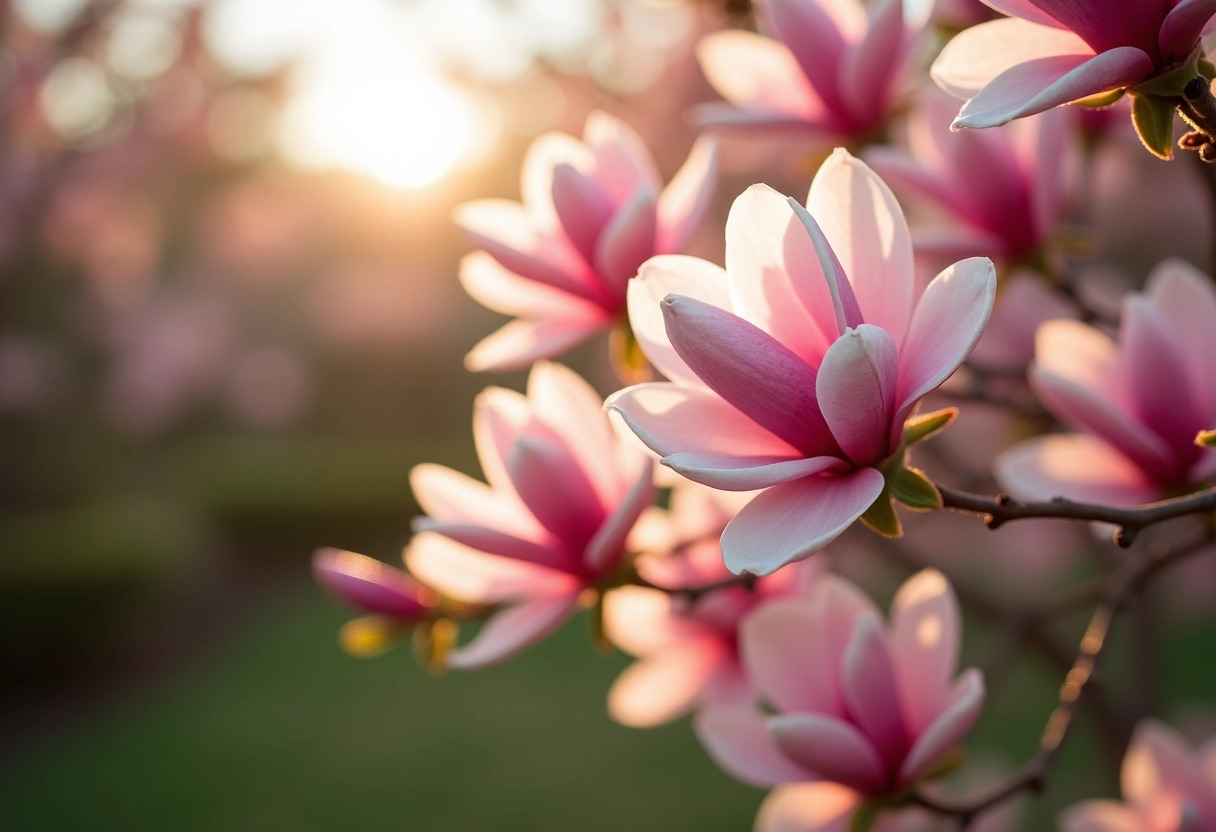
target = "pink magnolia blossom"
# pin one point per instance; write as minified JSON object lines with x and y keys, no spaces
{"x":592,"y":212}
{"x":828,"y":67}
{"x":563,"y":493}
{"x":1053,"y":52}
{"x":372,"y":586}
{"x":1002,"y":191}
{"x":1167,"y":787}
{"x":793,"y":369}
{"x":1138,"y":402}
{"x":829,"y":807}
{"x":688,"y":649}
{"x":393,"y":603}
{"x":856,"y":702}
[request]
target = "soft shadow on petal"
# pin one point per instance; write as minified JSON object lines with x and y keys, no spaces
{"x":623,"y":164}
{"x":794,"y":520}
{"x":1185,"y":297}
{"x":871,"y":691}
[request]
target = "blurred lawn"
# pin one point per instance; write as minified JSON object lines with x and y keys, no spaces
{"x":281,"y":731}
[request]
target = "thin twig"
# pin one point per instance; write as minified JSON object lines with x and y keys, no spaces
{"x":1130,"y":521}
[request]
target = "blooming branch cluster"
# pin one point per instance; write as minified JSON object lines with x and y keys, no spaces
{"x":801,"y":379}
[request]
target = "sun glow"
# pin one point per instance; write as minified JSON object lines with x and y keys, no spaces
{"x":381,"y":112}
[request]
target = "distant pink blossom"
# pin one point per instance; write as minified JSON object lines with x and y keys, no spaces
{"x":687,"y":649}
{"x":373,"y":586}
{"x":1167,"y":787}
{"x":830,"y":807}
{"x":855,"y":701}
{"x":1137,"y":403}
{"x":563,"y":494}
{"x":794,"y":368}
{"x":1002,"y":192}
{"x":592,"y":212}
{"x":828,"y":67}
{"x":1053,"y":52}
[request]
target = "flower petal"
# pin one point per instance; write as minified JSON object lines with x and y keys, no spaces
{"x":687,"y":196}
{"x":871,"y":691}
{"x":370,"y":585}
{"x":665,"y":686}
{"x":623,"y":165}
{"x":856,"y":390}
{"x":1184,"y":296}
{"x":1044,"y":83}
{"x":452,"y":497}
{"x":925,"y":638}
{"x":480,"y":578}
{"x":607,"y":547}
{"x":751,"y":370}
{"x":866,"y":229}
{"x":581,"y":207}
{"x":844,"y":304}
{"x":1158,"y":762}
{"x":1077,"y":466}
{"x":816,"y":42}
{"x":544,"y":155}
{"x":794,"y":520}
{"x":627,"y":241}
{"x":871,"y":67}
{"x":520,"y":343}
{"x":556,"y":490}
{"x":1100,"y":816}
{"x":1182,"y":27}
{"x":513,"y":630}
{"x":947,"y":322}
{"x":495,"y":287}
{"x":976,"y":56}
{"x":786,"y":657}
{"x":671,"y":274}
{"x":830,"y":748}
{"x":966,"y":702}
{"x":808,"y":807}
{"x":740,"y":743}
{"x":775,"y":278}
{"x":758,"y":74}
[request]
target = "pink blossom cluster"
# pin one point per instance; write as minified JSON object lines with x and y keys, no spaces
{"x":794,"y":386}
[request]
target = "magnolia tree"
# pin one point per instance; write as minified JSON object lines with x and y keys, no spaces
{"x":769,"y":403}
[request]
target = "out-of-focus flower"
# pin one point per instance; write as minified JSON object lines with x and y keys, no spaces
{"x":1138,"y":402}
{"x":829,"y":68}
{"x":870,"y":707}
{"x":1002,"y":190}
{"x":688,"y":647}
{"x":830,"y":807}
{"x":1053,"y":52}
{"x":794,"y":368}
{"x":392,"y":601}
{"x":1167,"y":787}
{"x":564,"y":492}
{"x":592,"y":212}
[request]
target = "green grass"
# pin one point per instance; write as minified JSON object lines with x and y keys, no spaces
{"x":281,"y":731}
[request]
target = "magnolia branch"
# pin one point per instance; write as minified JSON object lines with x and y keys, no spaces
{"x":1113,"y":595}
{"x":1129,"y":521}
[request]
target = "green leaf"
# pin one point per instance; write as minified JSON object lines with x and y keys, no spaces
{"x":1206,"y":439}
{"x":912,"y":488}
{"x":881,"y":517}
{"x":919,"y":428}
{"x":1153,"y":118}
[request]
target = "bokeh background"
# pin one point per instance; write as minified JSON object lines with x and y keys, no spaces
{"x":229,"y":326}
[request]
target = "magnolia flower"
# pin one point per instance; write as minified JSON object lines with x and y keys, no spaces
{"x":1138,"y":402}
{"x":592,"y":212}
{"x":828,"y":67}
{"x":1167,"y":786}
{"x":1054,"y":52}
{"x":687,"y":647}
{"x":563,"y":493}
{"x":793,"y":369}
{"x":855,"y":702}
{"x":1002,"y":191}
{"x":830,"y":807}
{"x":392,"y":600}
